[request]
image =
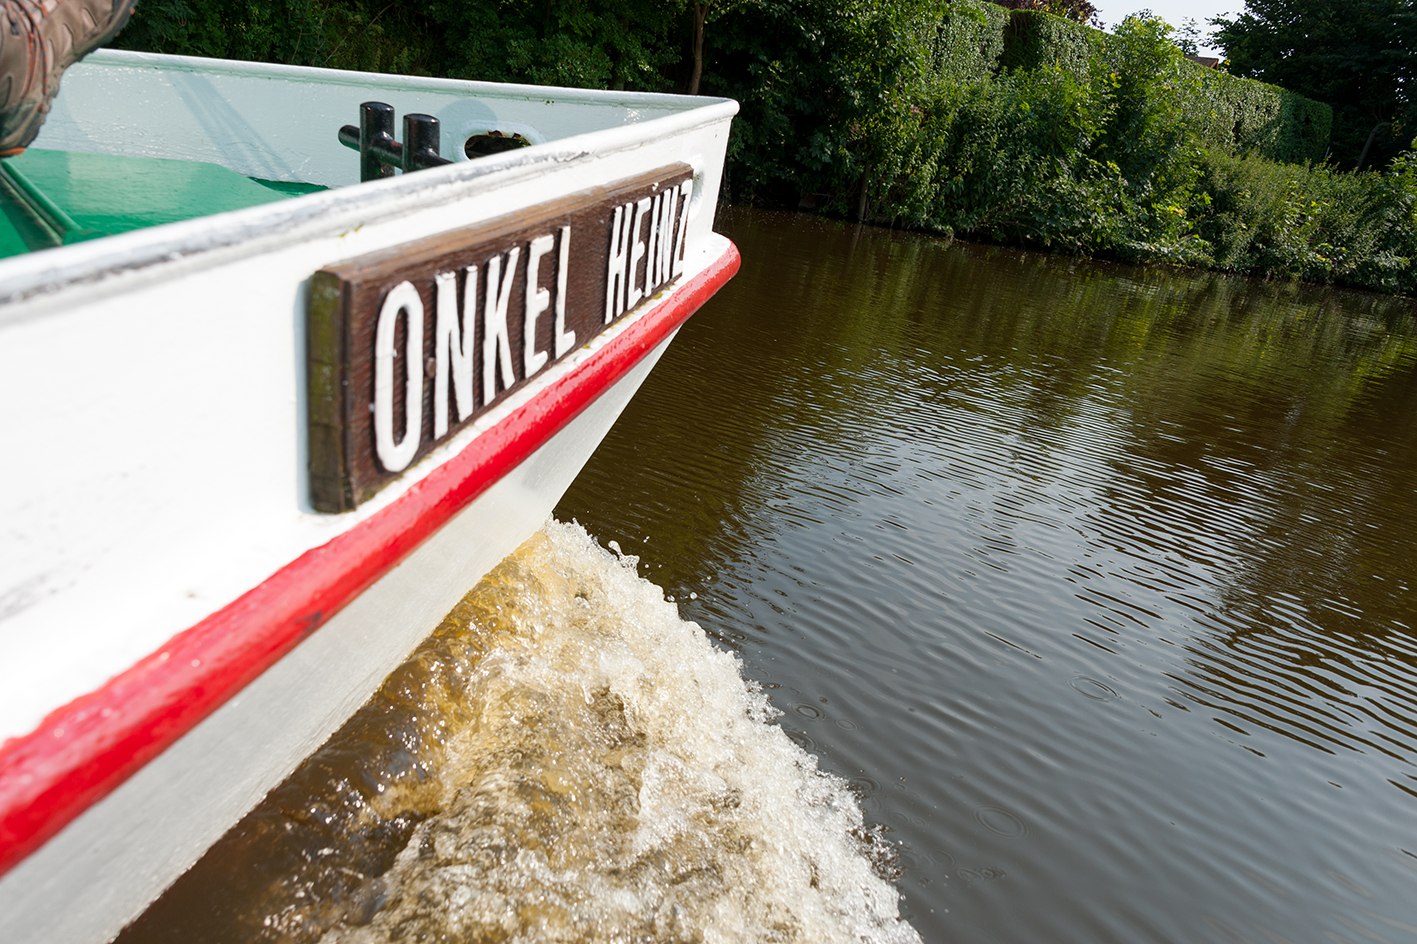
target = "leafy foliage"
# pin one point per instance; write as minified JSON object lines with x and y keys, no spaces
{"x":824,"y":87}
{"x":1035,"y":39}
{"x":620,"y":44}
{"x":1080,"y":11}
{"x":958,"y":116}
{"x":1241,"y":116}
{"x":1118,"y":146}
{"x":1313,"y":223}
{"x":1092,"y":154}
{"x":1360,"y":56}
{"x":300,"y":32}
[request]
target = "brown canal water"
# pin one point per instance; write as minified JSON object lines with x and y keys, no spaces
{"x":1090,"y":586}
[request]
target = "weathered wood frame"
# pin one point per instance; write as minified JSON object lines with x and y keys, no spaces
{"x":644,"y":219}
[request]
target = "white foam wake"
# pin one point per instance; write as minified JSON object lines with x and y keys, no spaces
{"x":616,"y":779}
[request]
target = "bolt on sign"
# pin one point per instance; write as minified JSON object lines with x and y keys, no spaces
{"x":409,"y":345}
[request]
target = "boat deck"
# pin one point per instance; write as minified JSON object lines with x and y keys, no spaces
{"x":55,"y":198}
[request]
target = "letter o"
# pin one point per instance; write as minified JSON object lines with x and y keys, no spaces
{"x":395,"y":456}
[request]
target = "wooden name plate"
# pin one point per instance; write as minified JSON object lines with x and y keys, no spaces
{"x":409,"y":345}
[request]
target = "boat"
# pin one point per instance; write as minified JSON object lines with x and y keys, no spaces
{"x":289,"y":359}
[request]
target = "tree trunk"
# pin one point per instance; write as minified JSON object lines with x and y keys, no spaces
{"x":858,"y":212}
{"x":1368,"y":146}
{"x":700,"y":13}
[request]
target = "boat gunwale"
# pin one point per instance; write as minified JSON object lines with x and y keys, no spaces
{"x":67,"y":271}
{"x":500,"y":90}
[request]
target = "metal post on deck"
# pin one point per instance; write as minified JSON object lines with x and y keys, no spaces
{"x":379,"y":154}
{"x":376,"y":131}
{"x":420,"y":142}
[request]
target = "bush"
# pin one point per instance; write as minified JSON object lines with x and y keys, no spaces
{"x":299,"y":32}
{"x":1313,"y":223}
{"x":968,"y":42}
{"x":1034,"y":40}
{"x":1120,"y":147}
{"x":1243,"y":116}
{"x":826,"y":90}
{"x":1095,"y":157}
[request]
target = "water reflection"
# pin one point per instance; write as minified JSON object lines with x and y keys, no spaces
{"x":1119,"y":555}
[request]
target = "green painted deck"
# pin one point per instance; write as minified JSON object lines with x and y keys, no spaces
{"x":54,"y":198}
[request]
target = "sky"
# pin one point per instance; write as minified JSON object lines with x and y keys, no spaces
{"x":1172,"y":11}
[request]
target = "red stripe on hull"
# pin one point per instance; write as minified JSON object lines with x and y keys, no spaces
{"x":84,"y":750}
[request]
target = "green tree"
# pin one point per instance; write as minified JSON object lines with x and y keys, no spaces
{"x":824,"y":87}
{"x":617,"y":44}
{"x":1360,"y":56}
{"x":700,"y":12}
{"x":1079,"y":10}
{"x":1188,"y":37}
{"x":340,"y":34}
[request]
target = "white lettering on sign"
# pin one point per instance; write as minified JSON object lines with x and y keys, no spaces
{"x":652,"y":244}
{"x":496,"y":345}
{"x":565,"y":339}
{"x":409,"y":348}
{"x":649,"y":232}
{"x":664,"y":235}
{"x":538,"y":299}
{"x":686,"y":190}
{"x":395,"y":455}
{"x":453,"y":350}
{"x":617,"y":269}
{"x":637,"y":252}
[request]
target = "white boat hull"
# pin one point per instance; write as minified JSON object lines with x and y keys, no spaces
{"x":180,"y":626}
{"x":124,"y":851}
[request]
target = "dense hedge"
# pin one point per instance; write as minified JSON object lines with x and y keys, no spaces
{"x":301,"y":32}
{"x":1248,"y":117}
{"x":1099,"y":159}
{"x":967,"y":42}
{"x":1034,"y":40}
{"x":1117,"y":146}
{"x":1241,"y":116}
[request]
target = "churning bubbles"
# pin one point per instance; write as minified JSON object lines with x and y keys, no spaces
{"x":619,"y":780}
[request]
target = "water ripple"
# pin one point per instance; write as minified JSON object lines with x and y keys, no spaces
{"x":1124,"y":554}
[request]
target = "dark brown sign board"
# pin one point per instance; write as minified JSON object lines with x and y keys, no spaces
{"x":409,"y":345}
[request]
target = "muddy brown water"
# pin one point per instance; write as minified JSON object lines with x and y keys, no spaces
{"x":1090,"y":585}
